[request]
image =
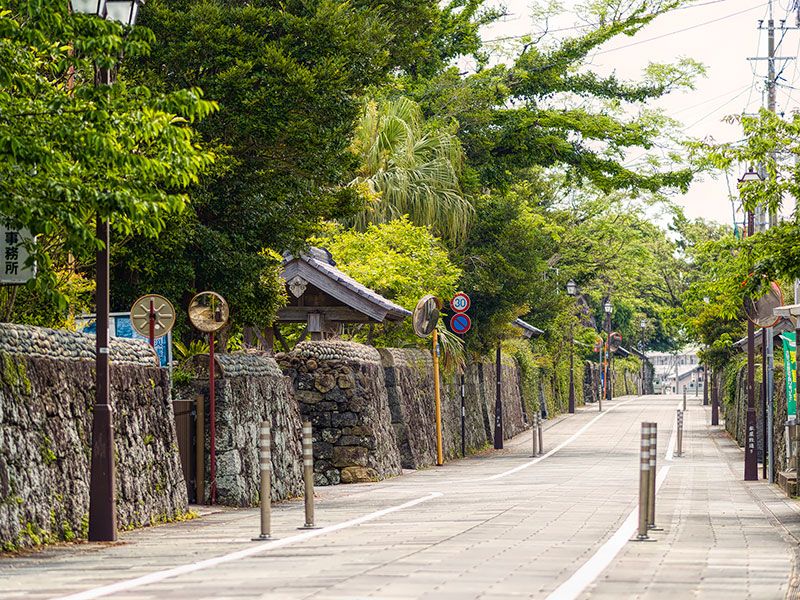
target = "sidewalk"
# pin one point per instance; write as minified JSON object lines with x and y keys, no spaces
{"x":722,"y":537}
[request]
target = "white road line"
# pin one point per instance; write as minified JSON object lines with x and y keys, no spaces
{"x":673,"y":438}
{"x":566,"y":442}
{"x":258,"y":548}
{"x":592,"y":568}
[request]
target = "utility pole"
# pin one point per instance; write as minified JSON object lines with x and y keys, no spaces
{"x":764,"y":219}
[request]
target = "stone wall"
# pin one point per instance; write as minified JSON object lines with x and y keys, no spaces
{"x":341,"y":389}
{"x":249,"y":389}
{"x":46,"y":398}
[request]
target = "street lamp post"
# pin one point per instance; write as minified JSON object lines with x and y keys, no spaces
{"x":750,"y":458}
{"x":642,"y":326}
{"x":608,"y":308}
{"x":572,"y":290}
{"x":102,"y":484}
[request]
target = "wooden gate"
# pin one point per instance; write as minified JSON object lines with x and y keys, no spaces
{"x":189,"y":426}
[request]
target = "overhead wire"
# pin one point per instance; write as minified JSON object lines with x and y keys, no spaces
{"x":589,"y":25}
{"x":703,"y":24}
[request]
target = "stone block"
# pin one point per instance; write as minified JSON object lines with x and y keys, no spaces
{"x":358,"y":475}
{"x":324,"y":382}
{"x":344,"y":419}
{"x":345,"y":456}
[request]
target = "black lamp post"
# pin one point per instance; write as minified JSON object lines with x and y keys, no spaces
{"x":102,"y":484}
{"x":572,"y":290}
{"x":750,"y":458}
{"x":608,"y":308}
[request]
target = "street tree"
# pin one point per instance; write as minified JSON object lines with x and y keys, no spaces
{"x":71,"y":151}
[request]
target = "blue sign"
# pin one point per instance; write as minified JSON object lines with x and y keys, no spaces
{"x":120,"y":326}
{"x":460,"y":323}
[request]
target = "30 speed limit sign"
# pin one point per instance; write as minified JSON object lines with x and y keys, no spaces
{"x":460,"y":303}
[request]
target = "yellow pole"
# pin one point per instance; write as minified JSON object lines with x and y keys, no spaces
{"x":439,"y":457}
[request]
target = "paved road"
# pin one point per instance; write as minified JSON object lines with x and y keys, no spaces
{"x":496,"y":526}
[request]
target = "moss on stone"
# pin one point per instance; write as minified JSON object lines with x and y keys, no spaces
{"x":46,"y":450}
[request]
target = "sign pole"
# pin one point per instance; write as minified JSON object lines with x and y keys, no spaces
{"x":152,"y":323}
{"x":212,"y":421}
{"x":463,"y":418}
{"x":438,"y":399}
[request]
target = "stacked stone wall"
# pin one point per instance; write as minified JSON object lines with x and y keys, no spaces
{"x":249,"y":389}
{"x":47,"y":393}
{"x":341,"y":389}
{"x":409,"y":380}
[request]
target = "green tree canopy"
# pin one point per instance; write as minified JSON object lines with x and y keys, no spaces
{"x":409,"y":169}
{"x":72,"y":151}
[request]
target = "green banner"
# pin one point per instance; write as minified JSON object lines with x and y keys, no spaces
{"x":790,"y":372}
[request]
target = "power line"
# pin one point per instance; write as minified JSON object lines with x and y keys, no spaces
{"x":658,"y":37}
{"x":588,"y":25}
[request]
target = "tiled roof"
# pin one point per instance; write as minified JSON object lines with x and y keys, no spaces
{"x":528,"y":327}
{"x":322,"y":261}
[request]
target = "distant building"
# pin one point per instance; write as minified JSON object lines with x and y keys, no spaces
{"x":687,"y":366}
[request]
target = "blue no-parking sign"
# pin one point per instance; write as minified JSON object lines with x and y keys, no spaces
{"x":460,"y":323}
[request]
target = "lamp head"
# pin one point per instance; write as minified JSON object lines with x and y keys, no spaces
{"x":749,"y":176}
{"x":88,"y":7}
{"x":123,"y":11}
{"x":572,"y":287}
{"x":608,"y":307}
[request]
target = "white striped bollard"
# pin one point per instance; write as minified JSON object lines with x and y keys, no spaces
{"x":644,"y":481}
{"x":308,"y":474}
{"x":651,"y":504}
{"x":265,"y":464}
{"x":680,"y":432}
{"x":541,"y":438}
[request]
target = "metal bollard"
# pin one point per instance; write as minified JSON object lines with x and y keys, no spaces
{"x":265,"y":463}
{"x":644,"y":481}
{"x":680,"y":433}
{"x":541,"y":438}
{"x":308,"y":474}
{"x":535,"y":433}
{"x":651,"y":505}
{"x":684,"y":399}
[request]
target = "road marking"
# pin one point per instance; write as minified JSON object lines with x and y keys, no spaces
{"x":259,"y":548}
{"x":566,"y":442}
{"x":673,"y":438}
{"x":592,"y":568}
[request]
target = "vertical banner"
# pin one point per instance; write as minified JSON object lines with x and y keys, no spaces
{"x":14,"y":267}
{"x":790,"y":371}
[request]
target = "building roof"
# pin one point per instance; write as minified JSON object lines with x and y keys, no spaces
{"x":782,"y":326}
{"x":528,"y":330}
{"x":353,"y":301}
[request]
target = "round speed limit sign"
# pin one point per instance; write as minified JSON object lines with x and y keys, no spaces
{"x":460,"y":303}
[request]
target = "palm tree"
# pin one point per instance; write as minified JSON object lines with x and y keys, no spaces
{"x":409,"y":169}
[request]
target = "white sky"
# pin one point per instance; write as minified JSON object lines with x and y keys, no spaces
{"x":721,"y":34}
